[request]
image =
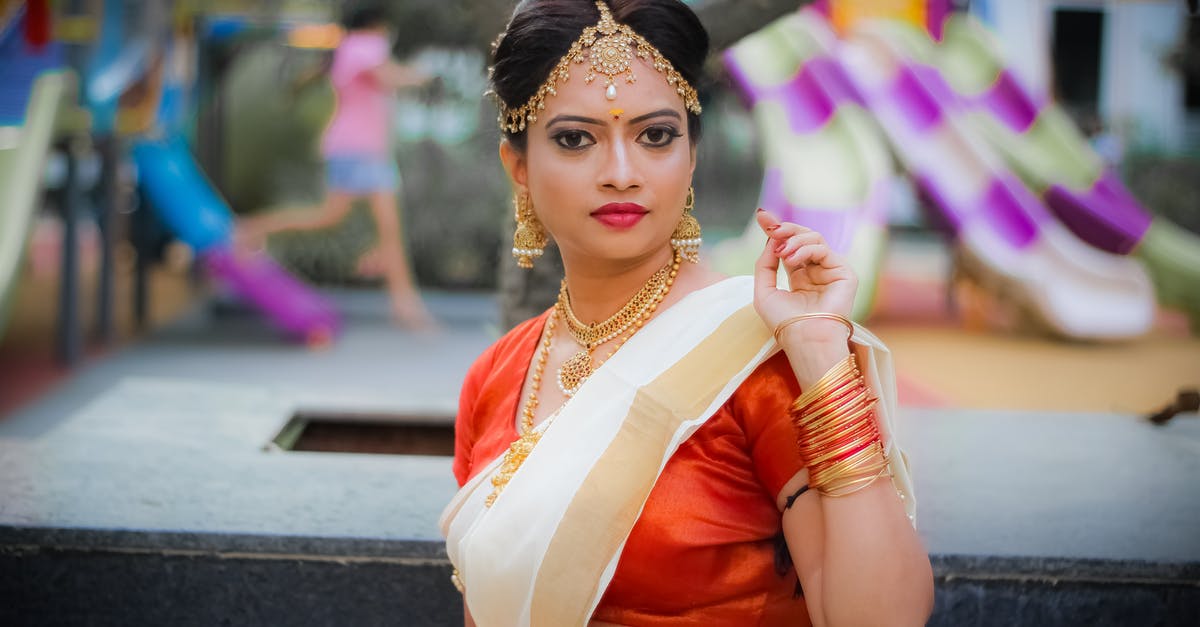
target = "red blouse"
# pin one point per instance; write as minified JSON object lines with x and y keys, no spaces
{"x":703,"y":550}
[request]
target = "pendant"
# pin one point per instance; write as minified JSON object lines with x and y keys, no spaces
{"x":574,"y":372}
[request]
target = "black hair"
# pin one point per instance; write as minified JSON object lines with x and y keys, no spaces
{"x":541,"y":31}
{"x":365,"y":15}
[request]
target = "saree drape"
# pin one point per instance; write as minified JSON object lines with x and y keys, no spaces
{"x":546,"y":551}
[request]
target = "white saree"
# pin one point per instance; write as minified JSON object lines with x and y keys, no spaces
{"x":546,"y":550}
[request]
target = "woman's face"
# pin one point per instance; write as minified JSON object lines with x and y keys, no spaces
{"x":608,"y":178}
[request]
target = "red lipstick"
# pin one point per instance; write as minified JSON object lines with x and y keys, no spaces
{"x":620,"y":215}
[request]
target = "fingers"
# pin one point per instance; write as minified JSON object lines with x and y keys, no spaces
{"x":811,"y":255}
{"x":790,"y":244}
{"x":766,"y":272}
{"x":777,"y":230}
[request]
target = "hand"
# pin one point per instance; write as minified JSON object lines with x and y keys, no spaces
{"x":820,"y":279}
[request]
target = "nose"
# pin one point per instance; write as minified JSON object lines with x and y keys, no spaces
{"x":619,"y":172}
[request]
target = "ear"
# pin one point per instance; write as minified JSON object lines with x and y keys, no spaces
{"x":514,"y":164}
{"x":692,"y":157}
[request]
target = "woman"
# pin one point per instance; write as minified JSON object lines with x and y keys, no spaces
{"x":633,"y":455}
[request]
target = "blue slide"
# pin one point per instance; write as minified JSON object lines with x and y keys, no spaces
{"x":190,"y":207}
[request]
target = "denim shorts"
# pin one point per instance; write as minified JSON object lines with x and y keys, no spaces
{"x":361,"y":174}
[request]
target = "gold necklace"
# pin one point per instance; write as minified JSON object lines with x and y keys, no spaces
{"x":633,"y":314}
{"x":529,"y":437}
{"x":523,"y":445}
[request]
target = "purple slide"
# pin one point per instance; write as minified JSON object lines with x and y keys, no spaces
{"x":191,"y":208}
{"x":1008,"y":241}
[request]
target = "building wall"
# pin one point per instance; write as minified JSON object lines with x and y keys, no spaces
{"x":1141,"y":98}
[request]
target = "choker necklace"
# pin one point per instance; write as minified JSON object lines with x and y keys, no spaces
{"x":630,"y":317}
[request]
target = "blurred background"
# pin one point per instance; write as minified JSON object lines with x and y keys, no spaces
{"x":1016,"y":182}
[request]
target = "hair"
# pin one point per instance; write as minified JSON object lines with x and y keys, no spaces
{"x":541,"y":31}
{"x":365,"y":15}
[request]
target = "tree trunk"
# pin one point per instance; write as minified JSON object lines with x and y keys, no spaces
{"x":527,"y":293}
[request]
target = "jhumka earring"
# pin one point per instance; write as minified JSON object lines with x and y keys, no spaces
{"x":529,"y":240}
{"x":686,"y":238}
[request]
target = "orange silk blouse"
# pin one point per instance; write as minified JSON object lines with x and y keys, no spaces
{"x":703,"y":550}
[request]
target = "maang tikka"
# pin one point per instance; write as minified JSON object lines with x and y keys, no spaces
{"x":606,"y":50}
{"x":529,"y":240}
{"x":686,"y":238}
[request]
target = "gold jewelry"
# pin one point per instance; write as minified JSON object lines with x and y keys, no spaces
{"x":838,"y":434}
{"x":529,"y":437}
{"x":529,"y":240}
{"x":523,"y":445}
{"x":809,"y":316}
{"x":632,"y":315}
{"x":611,"y":49}
{"x":686,"y":239}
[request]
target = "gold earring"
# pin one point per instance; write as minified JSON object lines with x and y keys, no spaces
{"x":686,"y":238}
{"x":529,"y":240}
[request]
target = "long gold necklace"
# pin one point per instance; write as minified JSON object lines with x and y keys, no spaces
{"x":523,"y":445}
{"x":529,"y":437}
{"x":633,"y":314}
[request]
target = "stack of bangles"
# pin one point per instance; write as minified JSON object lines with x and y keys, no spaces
{"x":837,"y":432}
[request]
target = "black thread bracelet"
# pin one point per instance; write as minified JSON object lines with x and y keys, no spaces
{"x":792,"y":499}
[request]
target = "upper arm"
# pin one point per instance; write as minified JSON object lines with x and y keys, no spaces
{"x":761,"y":406}
{"x":464,"y":423}
{"x":804,"y":530}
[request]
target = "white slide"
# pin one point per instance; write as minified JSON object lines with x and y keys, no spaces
{"x":1008,"y":242}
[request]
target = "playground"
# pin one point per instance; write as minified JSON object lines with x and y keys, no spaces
{"x":187,"y":414}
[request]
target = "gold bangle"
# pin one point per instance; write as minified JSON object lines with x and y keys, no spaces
{"x":456,"y":579}
{"x":862,"y":465}
{"x":808,"y":316}
{"x":845,"y":369}
{"x":866,"y":483}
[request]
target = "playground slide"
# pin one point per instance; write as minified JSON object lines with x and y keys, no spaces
{"x":20,"y":179}
{"x":1042,"y":145}
{"x":191,"y":208}
{"x":31,"y":87}
{"x":1008,"y":241}
{"x":826,"y":165}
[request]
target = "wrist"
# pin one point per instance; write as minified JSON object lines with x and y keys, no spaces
{"x":811,"y":360}
{"x":814,"y":331}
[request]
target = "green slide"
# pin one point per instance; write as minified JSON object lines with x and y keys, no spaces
{"x":22,"y":154}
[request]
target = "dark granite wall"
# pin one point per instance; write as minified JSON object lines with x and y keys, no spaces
{"x":130,"y":585}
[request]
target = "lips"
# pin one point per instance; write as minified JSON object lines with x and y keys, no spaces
{"x":620,"y":214}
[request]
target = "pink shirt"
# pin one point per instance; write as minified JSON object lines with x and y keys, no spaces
{"x":361,"y":121}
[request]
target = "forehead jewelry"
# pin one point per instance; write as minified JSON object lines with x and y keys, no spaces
{"x":616,"y":113}
{"x":609,"y":49}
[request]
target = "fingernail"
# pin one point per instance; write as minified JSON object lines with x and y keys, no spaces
{"x":759,"y":209}
{"x":772,"y":227}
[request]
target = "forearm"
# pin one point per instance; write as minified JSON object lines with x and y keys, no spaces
{"x":875,"y":570}
{"x":396,"y":76}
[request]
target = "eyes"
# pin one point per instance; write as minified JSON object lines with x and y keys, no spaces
{"x":656,"y":136}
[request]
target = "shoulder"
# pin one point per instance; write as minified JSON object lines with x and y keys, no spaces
{"x":502,"y":350}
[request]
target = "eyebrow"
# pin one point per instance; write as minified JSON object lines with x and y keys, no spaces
{"x":654,"y":114}
{"x":558,"y":119}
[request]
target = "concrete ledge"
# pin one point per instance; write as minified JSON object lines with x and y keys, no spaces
{"x":127,"y":577}
{"x":75,"y":577}
{"x":155,"y":503}
{"x":1005,"y":591}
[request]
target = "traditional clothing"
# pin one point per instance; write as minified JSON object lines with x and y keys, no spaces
{"x":650,"y":499}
